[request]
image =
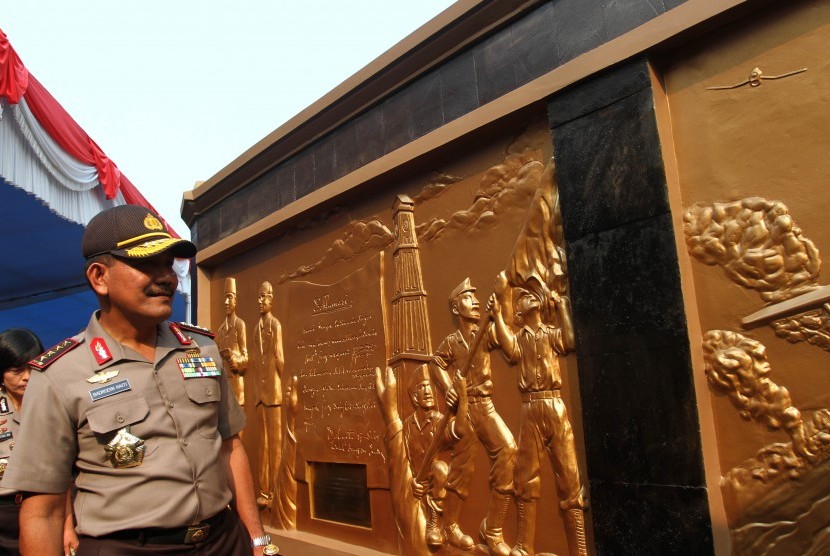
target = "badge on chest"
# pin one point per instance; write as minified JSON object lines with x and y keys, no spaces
{"x":125,"y":450}
{"x":194,"y":365}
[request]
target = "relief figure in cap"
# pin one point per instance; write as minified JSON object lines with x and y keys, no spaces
{"x":233,"y":344}
{"x":451,"y":358}
{"x":420,"y":430}
{"x":266,"y":387}
{"x":545,"y":428}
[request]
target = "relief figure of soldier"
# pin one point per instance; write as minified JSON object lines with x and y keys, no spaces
{"x":423,"y":429}
{"x":545,"y":428}
{"x":450,"y":358}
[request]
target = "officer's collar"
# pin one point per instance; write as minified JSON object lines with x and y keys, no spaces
{"x":104,"y":351}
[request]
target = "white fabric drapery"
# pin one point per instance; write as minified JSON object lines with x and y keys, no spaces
{"x":32,"y":161}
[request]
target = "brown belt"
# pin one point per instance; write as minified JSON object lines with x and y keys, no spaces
{"x":540,"y":395}
{"x":478,"y":398}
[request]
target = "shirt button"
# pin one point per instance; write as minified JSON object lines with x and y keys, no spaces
{"x":184,"y":442}
{"x":120,"y":418}
{"x":208,"y":391}
{"x":170,"y":405}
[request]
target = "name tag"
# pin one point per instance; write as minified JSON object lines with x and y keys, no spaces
{"x":5,"y":436}
{"x":110,"y":390}
{"x":198,"y":367}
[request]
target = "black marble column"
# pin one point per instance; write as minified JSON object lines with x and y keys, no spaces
{"x":642,"y":437}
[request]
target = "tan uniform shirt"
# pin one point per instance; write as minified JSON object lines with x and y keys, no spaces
{"x":453,"y":352}
{"x":537,"y":353}
{"x":68,"y":421}
{"x":8,"y":438}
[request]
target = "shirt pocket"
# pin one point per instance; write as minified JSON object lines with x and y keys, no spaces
{"x":107,"y":419}
{"x":205,"y":395}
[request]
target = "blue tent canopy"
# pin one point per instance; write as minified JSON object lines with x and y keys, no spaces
{"x":42,"y":283}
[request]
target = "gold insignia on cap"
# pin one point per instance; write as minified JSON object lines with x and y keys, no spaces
{"x":152,"y":223}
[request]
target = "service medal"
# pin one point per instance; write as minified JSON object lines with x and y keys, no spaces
{"x":102,"y":377}
{"x":3,"y":463}
{"x":125,"y":450}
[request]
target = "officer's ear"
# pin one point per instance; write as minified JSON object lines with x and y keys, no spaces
{"x":97,"y":274}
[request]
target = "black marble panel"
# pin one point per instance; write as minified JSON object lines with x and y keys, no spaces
{"x":601,"y":90}
{"x":458,"y":86}
{"x":639,"y":412}
{"x":669,"y":4}
{"x":622,"y":16}
{"x":303,"y":163}
{"x":396,"y":121}
{"x":579,"y":27}
{"x":425,"y":114}
{"x":495,"y":67}
{"x":610,"y":167}
{"x":369,"y":130}
{"x":284,"y":184}
{"x":260,"y":198}
{"x":208,"y":228}
{"x":534,"y":44}
{"x":650,"y":519}
{"x":324,"y":162}
{"x":625,"y":288}
{"x":346,"y":149}
{"x":641,"y":425}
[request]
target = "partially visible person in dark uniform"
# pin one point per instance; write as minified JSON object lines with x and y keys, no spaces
{"x":17,"y":347}
{"x":139,"y":410}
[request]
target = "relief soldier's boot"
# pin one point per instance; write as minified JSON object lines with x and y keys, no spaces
{"x":434,"y":536}
{"x":575,"y":531}
{"x":491,"y":527}
{"x":527,"y":529}
{"x":455,"y":536}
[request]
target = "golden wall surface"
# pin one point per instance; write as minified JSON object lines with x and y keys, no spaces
{"x":750,"y":120}
{"x":342,"y":281}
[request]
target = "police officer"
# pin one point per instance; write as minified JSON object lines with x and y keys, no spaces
{"x":17,"y":346}
{"x":138,"y":411}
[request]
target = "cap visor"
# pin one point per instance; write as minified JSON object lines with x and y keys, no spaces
{"x":180,"y":248}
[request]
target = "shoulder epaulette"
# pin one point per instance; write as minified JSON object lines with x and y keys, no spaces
{"x":42,"y":361}
{"x":198,"y":329}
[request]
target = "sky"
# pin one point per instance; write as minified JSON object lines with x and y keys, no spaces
{"x":175,"y":90}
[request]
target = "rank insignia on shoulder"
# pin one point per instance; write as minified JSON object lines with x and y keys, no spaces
{"x":198,"y":329}
{"x":42,"y":361}
{"x":180,"y":336}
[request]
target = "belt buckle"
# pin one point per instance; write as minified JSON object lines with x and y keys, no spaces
{"x":196,"y":533}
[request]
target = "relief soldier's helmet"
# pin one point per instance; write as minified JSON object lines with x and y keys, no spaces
{"x":419,"y":375}
{"x":132,"y":232}
{"x":464,"y":286}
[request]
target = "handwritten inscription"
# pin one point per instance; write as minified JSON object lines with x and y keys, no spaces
{"x":336,"y":342}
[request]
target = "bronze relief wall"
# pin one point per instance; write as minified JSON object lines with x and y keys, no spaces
{"x":409,"y":277}
{"x":753,"y":179}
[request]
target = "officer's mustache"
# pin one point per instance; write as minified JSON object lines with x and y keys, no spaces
{"x":159,"y":291}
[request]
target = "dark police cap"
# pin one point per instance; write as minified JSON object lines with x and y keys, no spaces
{"x":132,"y":232}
